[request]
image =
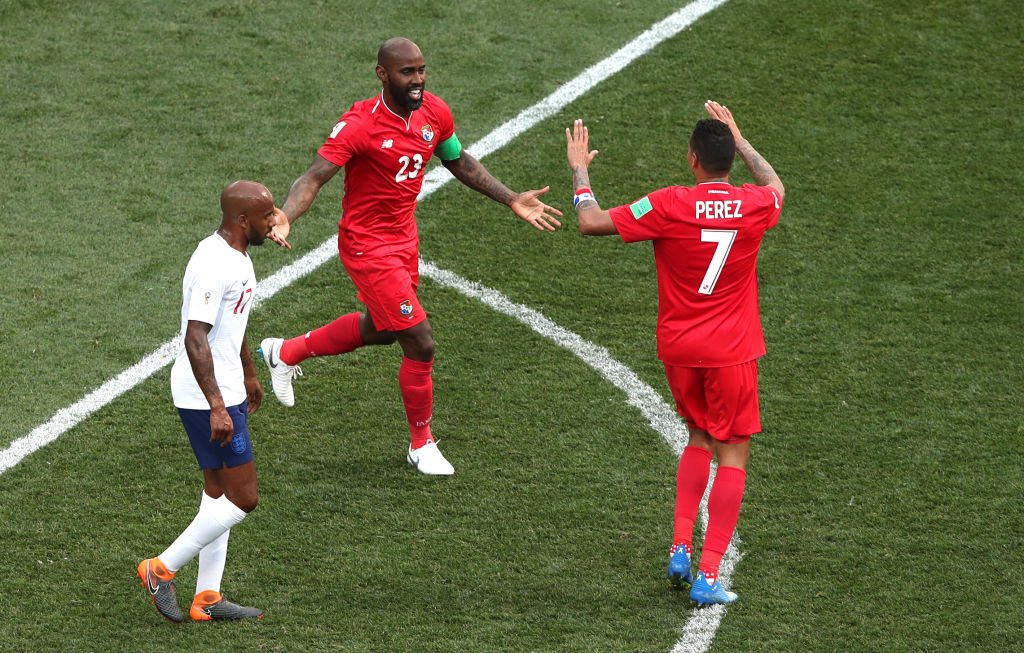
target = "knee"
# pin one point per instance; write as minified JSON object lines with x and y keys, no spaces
{"x":420,"y":345}
{"x":246,"y":500}
{"x":425,"y":347}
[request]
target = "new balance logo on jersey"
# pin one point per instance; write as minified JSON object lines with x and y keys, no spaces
{"x":388,"y":142}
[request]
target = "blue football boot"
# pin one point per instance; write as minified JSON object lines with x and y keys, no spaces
{"x":703,"y":593}
{"x":679,"y":567}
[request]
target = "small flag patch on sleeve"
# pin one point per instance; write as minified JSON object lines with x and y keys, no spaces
{"x":641,"y":207}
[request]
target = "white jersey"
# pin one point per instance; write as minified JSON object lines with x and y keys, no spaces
{"x":218,"y":289}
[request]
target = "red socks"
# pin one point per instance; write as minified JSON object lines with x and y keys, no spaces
{"x":723,"y":513}
{"x":414,"y":377}
{"x":691,"y":481}
{"x":723,"y":506}
{"x":339,"y":337}
{"x":417,"y":388}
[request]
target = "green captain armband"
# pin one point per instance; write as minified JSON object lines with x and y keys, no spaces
{"x":450,"y":149}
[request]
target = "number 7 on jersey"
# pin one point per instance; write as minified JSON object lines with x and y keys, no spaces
{"x":724,"y":238}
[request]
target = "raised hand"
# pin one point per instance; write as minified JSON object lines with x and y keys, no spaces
{"x":721,"y":112}
{"x":578,"y":145}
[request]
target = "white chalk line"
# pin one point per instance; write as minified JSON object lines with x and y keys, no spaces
{"x":699,"y":631}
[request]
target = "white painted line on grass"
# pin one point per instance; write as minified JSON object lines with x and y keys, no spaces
{"x":67,"y":418}
{"x":699,"y":630}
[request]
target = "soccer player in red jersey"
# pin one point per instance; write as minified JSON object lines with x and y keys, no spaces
{"x":384,"y":144}
{"x":706,"y":239}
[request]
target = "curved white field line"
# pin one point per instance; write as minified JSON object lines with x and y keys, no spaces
{"x":700,"y":628}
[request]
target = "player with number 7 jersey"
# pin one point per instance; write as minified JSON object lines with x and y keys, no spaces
{"x":706,"y":240}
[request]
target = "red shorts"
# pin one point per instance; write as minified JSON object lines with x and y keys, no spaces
{"x":387,"y":285}
{"x":720,"y":400}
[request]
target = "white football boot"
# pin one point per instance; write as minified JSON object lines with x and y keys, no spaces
{"x":429,"y":460}
{"x":281,"y":374}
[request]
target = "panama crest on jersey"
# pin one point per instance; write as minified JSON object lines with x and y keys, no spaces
{"x":428,"y":133}
{"x":405,"y":307}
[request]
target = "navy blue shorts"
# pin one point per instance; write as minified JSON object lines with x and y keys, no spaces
{"x":211,"y":455}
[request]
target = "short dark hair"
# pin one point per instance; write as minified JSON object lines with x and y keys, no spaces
{"x":714,"y":145}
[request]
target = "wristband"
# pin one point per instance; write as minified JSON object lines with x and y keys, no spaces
{"x":582,"y":195}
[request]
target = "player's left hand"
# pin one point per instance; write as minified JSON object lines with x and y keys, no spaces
{"x":253,"y":393}
{"x":527,"y":205}
{"x":279,"y":232}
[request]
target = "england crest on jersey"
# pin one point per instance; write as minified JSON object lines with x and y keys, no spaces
{"x":428,"y":133}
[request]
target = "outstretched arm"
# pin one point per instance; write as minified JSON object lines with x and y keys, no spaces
{"x":301,"y":196}
{"x":594,"y":221}
{"x":526,"y":205}
{"x":761,"y":170}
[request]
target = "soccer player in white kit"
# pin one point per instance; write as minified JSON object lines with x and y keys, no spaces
{"x":214,"y":386}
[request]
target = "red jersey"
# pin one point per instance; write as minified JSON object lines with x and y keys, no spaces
{"x":384,"y":157}
{"x":706,"y":240}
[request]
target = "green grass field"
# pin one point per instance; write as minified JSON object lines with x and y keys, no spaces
{"x":883,"y":508}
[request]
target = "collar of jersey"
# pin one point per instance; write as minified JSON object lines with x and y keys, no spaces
{"x":408,"y":123}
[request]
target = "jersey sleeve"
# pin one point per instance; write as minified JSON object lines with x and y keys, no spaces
{"x":768,"y":200}
{"x":204,"y":301}
{"x":445,"y":121}
{"x":643,"y":219}
{"x":344,"y":140}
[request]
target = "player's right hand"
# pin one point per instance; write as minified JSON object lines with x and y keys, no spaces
{"x":721,"y":112}
{"x":222,"y":429}
{"x":578,"y":145}
{"x":279,"y":232}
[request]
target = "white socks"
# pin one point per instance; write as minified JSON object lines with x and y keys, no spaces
{"x":212,"y":557}
{"x":212,"y":523}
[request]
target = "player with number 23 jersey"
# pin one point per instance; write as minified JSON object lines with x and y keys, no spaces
{"x":385,"y":157}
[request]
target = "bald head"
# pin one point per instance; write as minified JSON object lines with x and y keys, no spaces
{"x":397,"y":48}
{"x":402,"y":73}
{"x":240,"y":195}
{"x":247,"y":208}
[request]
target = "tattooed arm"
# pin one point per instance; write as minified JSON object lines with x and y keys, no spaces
{"x":526,"y":205}
{"x":300,"y":196}
{"x":594,"y":221}
{"x":761,"y":170}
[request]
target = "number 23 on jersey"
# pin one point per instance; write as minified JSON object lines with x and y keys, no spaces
{"x":409,"y":167}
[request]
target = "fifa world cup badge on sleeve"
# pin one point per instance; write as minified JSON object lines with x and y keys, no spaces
{"x":640,"y":208}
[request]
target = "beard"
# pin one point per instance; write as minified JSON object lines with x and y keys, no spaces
{"x":402,"y":95}
{"x":258,"y":238}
